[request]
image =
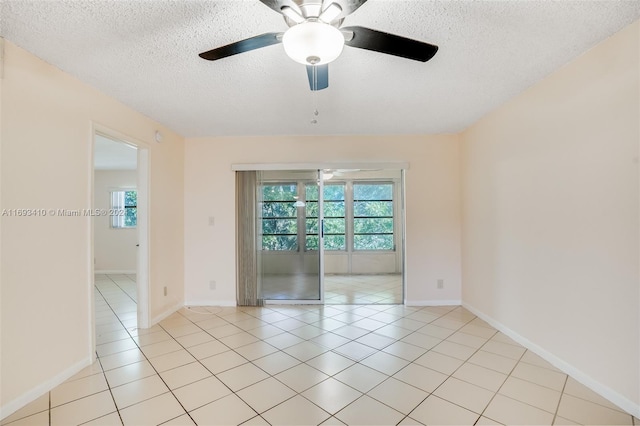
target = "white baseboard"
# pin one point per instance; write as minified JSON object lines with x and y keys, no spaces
{"x":167,"y":312}
{"x":433,"y":302}
{"x":115,"y":271}
{"x":602,"y":390}
{"x":211,"y":303}
{"x":35,"y":393}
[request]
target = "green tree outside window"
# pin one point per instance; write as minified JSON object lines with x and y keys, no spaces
{"x":124,"y":209}
{"x":279,"y":217}
{"x":373,"y":216}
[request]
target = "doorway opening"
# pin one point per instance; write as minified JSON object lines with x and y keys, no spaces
{"x":344,"y":247}
{"x":119,"y":236}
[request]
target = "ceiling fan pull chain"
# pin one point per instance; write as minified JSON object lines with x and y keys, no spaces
{"x":314,"y":73}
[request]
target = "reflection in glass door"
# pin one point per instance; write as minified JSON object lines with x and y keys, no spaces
{"x":290,"y":236}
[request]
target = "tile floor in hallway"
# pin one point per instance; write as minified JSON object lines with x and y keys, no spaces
{"x":309,"y":365}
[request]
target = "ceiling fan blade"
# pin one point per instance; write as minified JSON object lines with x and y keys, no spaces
{"x":336,"y":10}
{"x":349,"y":6}
{"x":318,"y":76}
{"x":277,"y":5}
{"x":330,"y":13}
{"x":391,"y":44}
{"x":257,"y":42}
{"x":292,"y":14}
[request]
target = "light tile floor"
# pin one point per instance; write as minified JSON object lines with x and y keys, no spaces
{"x":338,"y":289}
{"x":363,"y":289}
{"x":342,"y":364}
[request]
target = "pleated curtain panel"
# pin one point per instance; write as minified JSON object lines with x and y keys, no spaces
{"x":247,"y":239}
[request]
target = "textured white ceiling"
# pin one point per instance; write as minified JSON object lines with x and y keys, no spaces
{"x":145,"y":53}
{"x":111,"y":155}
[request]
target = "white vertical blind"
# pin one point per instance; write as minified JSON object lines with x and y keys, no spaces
{"x":247,"y":239}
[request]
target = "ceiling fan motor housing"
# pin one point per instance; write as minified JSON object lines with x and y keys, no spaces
{"x":309,"y":10}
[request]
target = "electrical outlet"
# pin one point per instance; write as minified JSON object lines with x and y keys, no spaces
{"x":165,"y":290}
{"x":212,"y":285}
{"x":440,"y":283}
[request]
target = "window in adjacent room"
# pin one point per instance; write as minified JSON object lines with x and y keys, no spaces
{"x":124,"y":209}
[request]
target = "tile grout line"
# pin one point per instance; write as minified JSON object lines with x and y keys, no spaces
{"x":427,"y":351}
{"x":356,"y":361}
{"x":160,"y":377}
{"x":304,"y":362}
{"x":100,"y":362}
{"x":564,"y":386}
{"x":123,"y":290}
{"x":391,"y":376}
{"x":454,"y":371}
{"x":251,"y":362}
{"x":205,"y":367}
{"x":152,"y":366}
{"x":505,"y":381}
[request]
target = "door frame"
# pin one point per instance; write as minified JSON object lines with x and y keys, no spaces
{"x":403,"y":166}
{"x":143,"y":189}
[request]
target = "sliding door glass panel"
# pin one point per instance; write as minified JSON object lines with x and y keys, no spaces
{"x":334,"y":217}
{"x":288,"y":272}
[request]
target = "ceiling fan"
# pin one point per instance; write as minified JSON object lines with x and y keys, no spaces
{"x":315,"y":37}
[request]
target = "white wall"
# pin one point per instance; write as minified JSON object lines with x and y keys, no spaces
{"x":47,"y":163}
{"x":550,"y":222}
{"x":432,"y":217}
{"x":114,"y":248}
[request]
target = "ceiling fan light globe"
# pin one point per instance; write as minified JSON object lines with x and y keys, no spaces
{"x":313,"y":43}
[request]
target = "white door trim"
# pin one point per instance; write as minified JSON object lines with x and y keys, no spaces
{"x":402,"y":165}
{"x":142,"y":275}
{"x":143,"y":188}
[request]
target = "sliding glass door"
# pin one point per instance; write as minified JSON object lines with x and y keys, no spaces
{"x":333,"y":236}
{"x":290,"y":236}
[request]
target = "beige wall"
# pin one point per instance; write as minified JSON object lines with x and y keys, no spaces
{"x":47,"y":163}
{"x":550,"y":217}
{"x":432,"y":217}
{"x":114,"y":249}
